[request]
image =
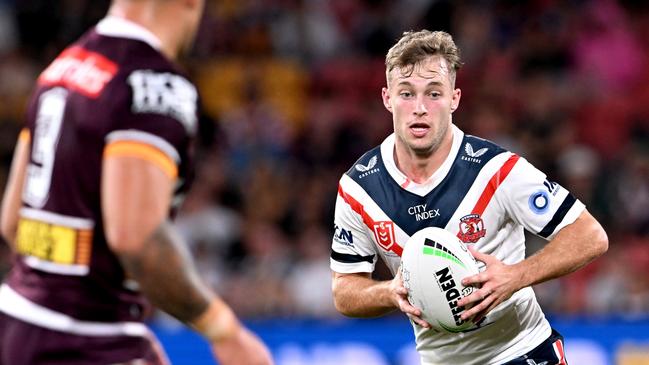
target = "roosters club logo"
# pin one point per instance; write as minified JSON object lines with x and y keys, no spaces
{"x":384,"y":234}
{"x":471,"y":228}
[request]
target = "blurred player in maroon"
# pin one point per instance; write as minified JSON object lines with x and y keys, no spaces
{"x":97,"y":170}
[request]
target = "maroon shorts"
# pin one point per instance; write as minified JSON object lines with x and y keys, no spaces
{"x":25,"y":344}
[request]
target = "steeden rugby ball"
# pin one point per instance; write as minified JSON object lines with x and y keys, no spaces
{"x":433,"y":264}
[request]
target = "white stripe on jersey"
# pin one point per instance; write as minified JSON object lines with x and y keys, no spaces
{"x":145,"y":137}
{"x":475,"y":192}
{"x":370,"y":207}
{"x":17,"y":306}
{"x":56,"y":218}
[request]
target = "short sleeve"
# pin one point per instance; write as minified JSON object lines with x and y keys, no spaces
{"x":542,"y":206}
{"x":352,"y":250}
{"x":155,"y":118}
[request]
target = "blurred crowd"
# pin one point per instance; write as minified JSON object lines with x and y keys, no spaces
{"x":291,"y":98}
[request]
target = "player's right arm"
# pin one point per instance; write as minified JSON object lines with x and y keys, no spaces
{"x":353,"y":257}
{"x":12,"y":199}
{"x":137,"y":186}
{"x":358,"y":295}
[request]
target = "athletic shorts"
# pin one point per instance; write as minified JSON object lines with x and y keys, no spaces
{"x":22,"y":343}
{"x":550,"y":352}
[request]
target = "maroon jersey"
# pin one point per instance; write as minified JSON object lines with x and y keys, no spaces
{"x":111,"y":92}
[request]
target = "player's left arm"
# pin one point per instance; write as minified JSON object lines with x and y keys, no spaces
{"x":550,"y":211}
{"x":574,"y":246}
{"x":12,"y":199}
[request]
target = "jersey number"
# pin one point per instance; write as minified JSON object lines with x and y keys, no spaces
{"x":49,"y":117}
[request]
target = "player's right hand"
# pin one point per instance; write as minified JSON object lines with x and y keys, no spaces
{"x":242,"y":348}
{"x":400,"y":298}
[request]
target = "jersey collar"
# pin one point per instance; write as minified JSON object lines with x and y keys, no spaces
{"x":113,"y":26}
{"x":387,"y":154}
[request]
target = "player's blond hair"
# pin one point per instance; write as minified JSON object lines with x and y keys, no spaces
{"x":415,"y":47}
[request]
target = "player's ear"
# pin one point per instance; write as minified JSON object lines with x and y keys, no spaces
{"x":385,"y":95}
{"x":455,"y":100}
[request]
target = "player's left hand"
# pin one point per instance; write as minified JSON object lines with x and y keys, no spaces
{"x":496,"y":284}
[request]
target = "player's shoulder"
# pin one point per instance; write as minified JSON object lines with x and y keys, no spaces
{"x":367,"y":164}
{"x":144,"y":80}
{"x":478,"y":150}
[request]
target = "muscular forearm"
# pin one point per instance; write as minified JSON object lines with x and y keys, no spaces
{"x":357,"y":295}
{"x":166,"y":275}
{"x":573,"y":247}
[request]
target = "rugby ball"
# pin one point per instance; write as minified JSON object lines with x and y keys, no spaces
{"x":433,"y":264}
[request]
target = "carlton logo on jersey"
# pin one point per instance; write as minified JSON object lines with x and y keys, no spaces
{"x":471,"y":155}
{"x":471,"y":228}
{"x":367,"y":169}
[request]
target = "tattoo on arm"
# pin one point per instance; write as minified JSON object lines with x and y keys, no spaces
{"x":167,"y":276}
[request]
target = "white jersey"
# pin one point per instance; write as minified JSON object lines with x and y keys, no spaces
{"x":484,"y":194}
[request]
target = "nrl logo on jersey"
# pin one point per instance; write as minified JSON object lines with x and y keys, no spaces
{"x":367,"y":169}
{"x":471,"y":155}
{"x":384,"y":234}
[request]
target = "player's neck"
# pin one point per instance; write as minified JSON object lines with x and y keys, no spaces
{"x":153,"y":20}
{"x":419,"y":168}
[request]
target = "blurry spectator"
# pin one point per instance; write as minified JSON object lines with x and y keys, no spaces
{"x":8,"y":33}
{"x":607,"y":54}
{"x":578,"y":169}
{"x":257,"y":286}
{"x":630,"y":195}
{"x":310,"y":279}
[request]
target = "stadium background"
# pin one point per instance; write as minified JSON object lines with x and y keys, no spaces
{"x":291,"y":97}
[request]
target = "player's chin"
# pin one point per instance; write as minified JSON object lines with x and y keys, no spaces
{"x":422,"y":147}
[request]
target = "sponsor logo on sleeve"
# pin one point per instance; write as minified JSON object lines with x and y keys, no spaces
{"x":343,"y":236}
{"x":471,"y":228}
{"x":553,"y":188}
{"x":539,"y":202}
{"x":165,"y":93}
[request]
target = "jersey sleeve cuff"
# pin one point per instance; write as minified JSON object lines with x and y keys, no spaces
{"x":145,"y":152}
{"x":351,"y":268}
{"x":571,"y":216}
{"x":24,"y":135}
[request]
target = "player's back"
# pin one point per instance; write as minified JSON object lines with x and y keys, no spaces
{"x":111,"y":92}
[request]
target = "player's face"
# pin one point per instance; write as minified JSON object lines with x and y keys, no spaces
{"x":421,"y":104}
